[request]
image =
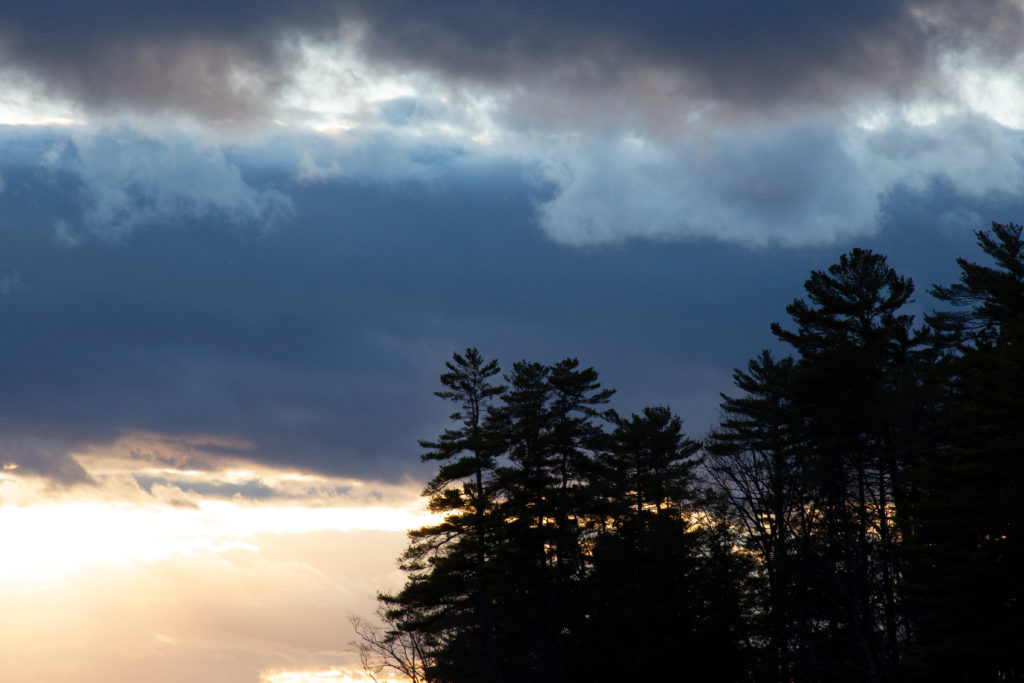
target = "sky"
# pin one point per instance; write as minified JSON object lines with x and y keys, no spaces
{"x":238,"y":241}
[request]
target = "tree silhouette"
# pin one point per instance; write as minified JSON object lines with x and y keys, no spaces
{"x":446,"y":602}
{"x":761,"y":488}
{"x":665,"y":578}
{"x":971,"y":518}
{"x":855,"y":516}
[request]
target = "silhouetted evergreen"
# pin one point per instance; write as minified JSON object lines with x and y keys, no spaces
{"x":972,"y":517}
{"x":856,"y":515}
{"x":567,"y":550}
{"x":549,"y":419}
{"x":853,"y":372}
{"x":758,"y":477}
{"x":648,"y":468}
{"x":815,"y":462}
{"x":666,"y":578}
{"x":447,"y":601}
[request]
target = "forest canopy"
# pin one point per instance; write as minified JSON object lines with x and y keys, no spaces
{"x":855,"y":515}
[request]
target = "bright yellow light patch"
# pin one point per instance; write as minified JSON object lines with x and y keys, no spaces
{"x":44,"y":542}
{"x":330,"y":676}
{"x":49,"y":534}
{"x":165,"y":560}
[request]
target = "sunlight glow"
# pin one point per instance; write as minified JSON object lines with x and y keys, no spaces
{"x":22,"y":103}
{"x":995,"y":93}
{"x":333,"y":128}
{"x":144,"y":508}
{"x":44,"y":542}
{"x":14,"y":120}
{"x":330,"y":676}
{"x":334,"y":89}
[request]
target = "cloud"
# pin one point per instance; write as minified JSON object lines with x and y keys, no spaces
{"x":184,"y":470}
{"x":318,"y":345}
{"x":44,"y":457}
{"x":10,"y":282}
{"x":791,"y":186}
{"x":108,"y":585}
{"x":736,"y":121}
{"x":128,"y":179}
{"x":214,"y":62}
{"x":310,"y":171}
{"x":794,"y":183}
{"x":232,"y":61}
{"x":369,"y":157}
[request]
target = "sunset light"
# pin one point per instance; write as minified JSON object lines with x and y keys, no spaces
{"x":47,"y":541}
{"x":257,"y":257}
{"x":331,"y":676}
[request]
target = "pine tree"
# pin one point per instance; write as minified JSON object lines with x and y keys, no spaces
{"x":664,"y":578}
{"x":760,"y":486}
{"x":565,"y":552}
{"x":971,"y":518}
{"x":447,"y":600}
{"x":855,"y":368}
{"x":549,"y":422}
{"x":648,"y":468}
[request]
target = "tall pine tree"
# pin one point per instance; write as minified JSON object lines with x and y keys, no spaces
{"x":447,"y":600}
{"x":971,"y":519}
{"x":761,"y":488}
{"x":855,"y":367}
{"x":665,"y":577}
{"x":550,"y":420}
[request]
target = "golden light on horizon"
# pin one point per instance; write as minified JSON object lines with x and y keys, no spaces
{"x":45,"y":541}
{"x":172,"y":569}
{"x":328,"y":676}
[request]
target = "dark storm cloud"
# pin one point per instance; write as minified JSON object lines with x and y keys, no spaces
{"x":186,"y":55}
{"x":181,"y":56}
{"x":40,"y":455}
{"x":741,"y":52}
{"x":318,"y":345}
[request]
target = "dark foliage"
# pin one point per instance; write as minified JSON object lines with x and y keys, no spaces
{"x":970,"y":543}
{"x":855,"y":516}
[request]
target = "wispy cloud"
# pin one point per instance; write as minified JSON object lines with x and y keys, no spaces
{"x":10,"y":282}
{"x":128,"y":179}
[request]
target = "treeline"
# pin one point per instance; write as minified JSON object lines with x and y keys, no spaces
{"x":856,"y":515}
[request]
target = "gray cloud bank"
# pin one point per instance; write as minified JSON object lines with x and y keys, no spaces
{"x":230,"y":59}
{"x":299,"y":294}
{"x":318,"y":345}
{"x":211,"y":59}
{"x":744,"y":121}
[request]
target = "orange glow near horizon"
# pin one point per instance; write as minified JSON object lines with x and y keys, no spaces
{"x":329,"y":676}
{"x":44,"y":542}
{"x":115,"y":581}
